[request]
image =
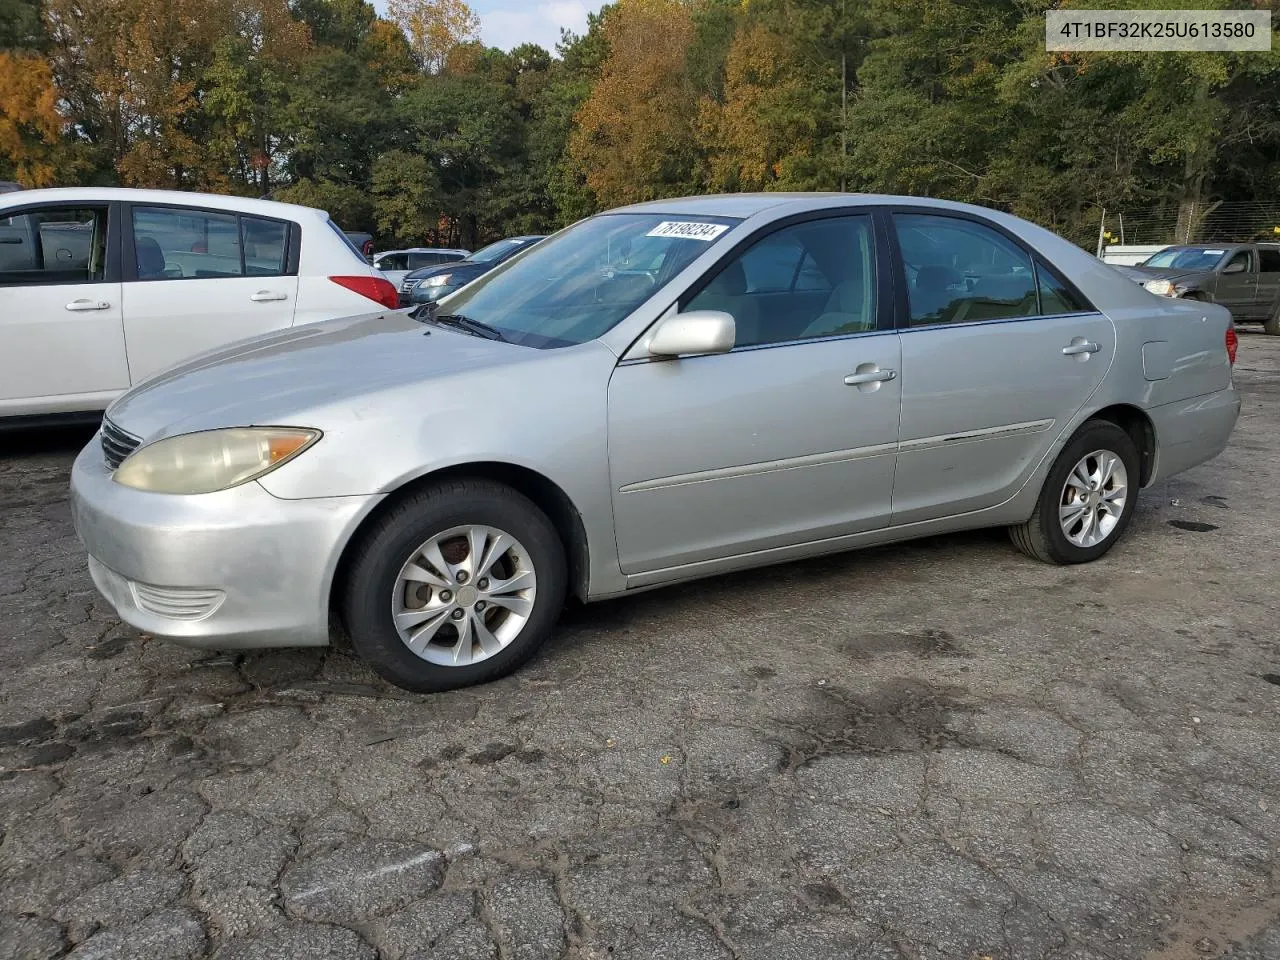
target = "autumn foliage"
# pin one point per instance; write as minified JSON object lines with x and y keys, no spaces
{"x":408,"y":126}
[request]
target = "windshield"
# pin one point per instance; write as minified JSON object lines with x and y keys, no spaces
{"x":1187,"y":258}
{"x":582,"y":282}
{"x":496,"y":251}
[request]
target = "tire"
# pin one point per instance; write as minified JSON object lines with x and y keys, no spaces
{"x":1271,"y":325}
{"x":1043,"y":537}
{"x":392,"y":580}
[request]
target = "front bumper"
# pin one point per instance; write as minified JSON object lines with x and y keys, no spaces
{"x":235,"y":569}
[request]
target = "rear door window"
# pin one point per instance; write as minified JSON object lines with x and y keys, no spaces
{"x":172,"y":243}
{"x":178,"y":243}
{"x":960,"y":271}
{"x":1269,"y":260}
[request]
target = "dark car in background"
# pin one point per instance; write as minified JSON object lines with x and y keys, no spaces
{"x":431,"y":283}
{"x":1243,"y":277}
{"x":362,"y":242}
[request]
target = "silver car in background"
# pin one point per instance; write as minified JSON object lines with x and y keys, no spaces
{"x":659,"y":393}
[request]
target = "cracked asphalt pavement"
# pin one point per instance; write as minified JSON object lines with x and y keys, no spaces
{"x":933,"y":750}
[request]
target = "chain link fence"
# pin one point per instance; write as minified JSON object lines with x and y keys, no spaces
{"x":1217,"y":222}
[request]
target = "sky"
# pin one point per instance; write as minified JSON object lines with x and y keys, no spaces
{"x":509,"y":23}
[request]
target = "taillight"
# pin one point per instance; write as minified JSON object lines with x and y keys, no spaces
{"x":378,"y":289}
{"x":1233,"y":343}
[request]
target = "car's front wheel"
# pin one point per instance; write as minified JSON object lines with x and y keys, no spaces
{"x":457,"y":584}
{"x":1087,"y":499}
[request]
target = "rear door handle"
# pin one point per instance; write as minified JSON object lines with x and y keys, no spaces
{"x":1075,"y":349}
{"x":263,"y":296}
{"x":871,"y":376}
{"x":77,"y":306}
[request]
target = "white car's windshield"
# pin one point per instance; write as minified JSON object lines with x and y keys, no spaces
{"x":579,"y":284}
{"x":1187,"y":258}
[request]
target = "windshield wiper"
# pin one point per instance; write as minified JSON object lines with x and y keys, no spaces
{"x":474,"y":327}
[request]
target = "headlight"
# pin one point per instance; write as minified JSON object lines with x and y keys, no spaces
{"x":1161,"y":288}
{"x":213,"y":459}
{"x":437,"y":281}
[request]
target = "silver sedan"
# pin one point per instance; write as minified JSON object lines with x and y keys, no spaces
{"x":659,"y":393}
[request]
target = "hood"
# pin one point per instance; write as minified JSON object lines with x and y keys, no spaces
{"x":277,"y":378}
{"x":1143,"y":274}
{"x":469,"y":267}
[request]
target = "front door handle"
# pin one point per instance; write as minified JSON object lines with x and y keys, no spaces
{"x":1078,"y":347}
{"x":870,"y":376}
{"x":264,"y":296}
{"x":76,"y":306}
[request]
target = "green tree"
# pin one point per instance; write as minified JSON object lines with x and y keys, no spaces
{"x":406,"y":197}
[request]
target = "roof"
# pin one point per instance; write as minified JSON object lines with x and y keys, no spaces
{"x":216,"y":201}
{"x":743,"y":205}
{"x":384,"y":253}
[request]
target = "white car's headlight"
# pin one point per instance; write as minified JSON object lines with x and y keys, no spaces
{"x":1161,"y":288}
{"x":437,"y":281}
{"x":212,"y":460}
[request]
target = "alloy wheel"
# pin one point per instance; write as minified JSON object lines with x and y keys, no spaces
{"x":464,"y":595}
{"x":1093,"y":498}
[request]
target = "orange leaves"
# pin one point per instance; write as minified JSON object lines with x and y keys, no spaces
{"x":435,"y":27}
{"x":30,"y":124}
{"x":741,"y":156}
{"x":634,"y":136}
{"x":388,"y":54}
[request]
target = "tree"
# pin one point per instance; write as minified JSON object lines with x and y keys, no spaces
{"x":348,"y":204}
{"x":470,"y":131}
{"x":406,"y":197}
{"x":20,"y":25}
{"x":246,"y":90}
{"x":435,"y":27}
{"x":634,"y":137}
{"x":30,"y":125}
{"x":552,"y":109}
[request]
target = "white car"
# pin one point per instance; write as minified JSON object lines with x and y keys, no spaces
{"x":396,"y":264}
{"x":101,"y":288}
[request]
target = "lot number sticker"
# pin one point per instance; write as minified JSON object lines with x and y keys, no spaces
{"x":684,"y":230}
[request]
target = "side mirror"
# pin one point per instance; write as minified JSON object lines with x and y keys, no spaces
{"x":1235,"y":266}
{"x":695,"y":333}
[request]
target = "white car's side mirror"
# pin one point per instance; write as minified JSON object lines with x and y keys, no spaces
{"x":695,"y":333}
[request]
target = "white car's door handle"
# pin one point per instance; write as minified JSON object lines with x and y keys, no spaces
{"x":77,"y":305}
{"x":1075,"y":349}
{"x":263,"y":296}
{"x":871,"y":376}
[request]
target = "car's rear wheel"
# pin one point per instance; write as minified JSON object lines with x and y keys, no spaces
{"x":1087,"y":499}
{"x":458,"y":584}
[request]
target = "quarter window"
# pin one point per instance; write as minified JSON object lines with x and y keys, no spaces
{"x":812,"y":279}
{"x":959,"y":271}
{"x":178,"y":244}
{"x":1055,"y":297}
{"x":55,"y":245}
{"x":266,"y":244}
